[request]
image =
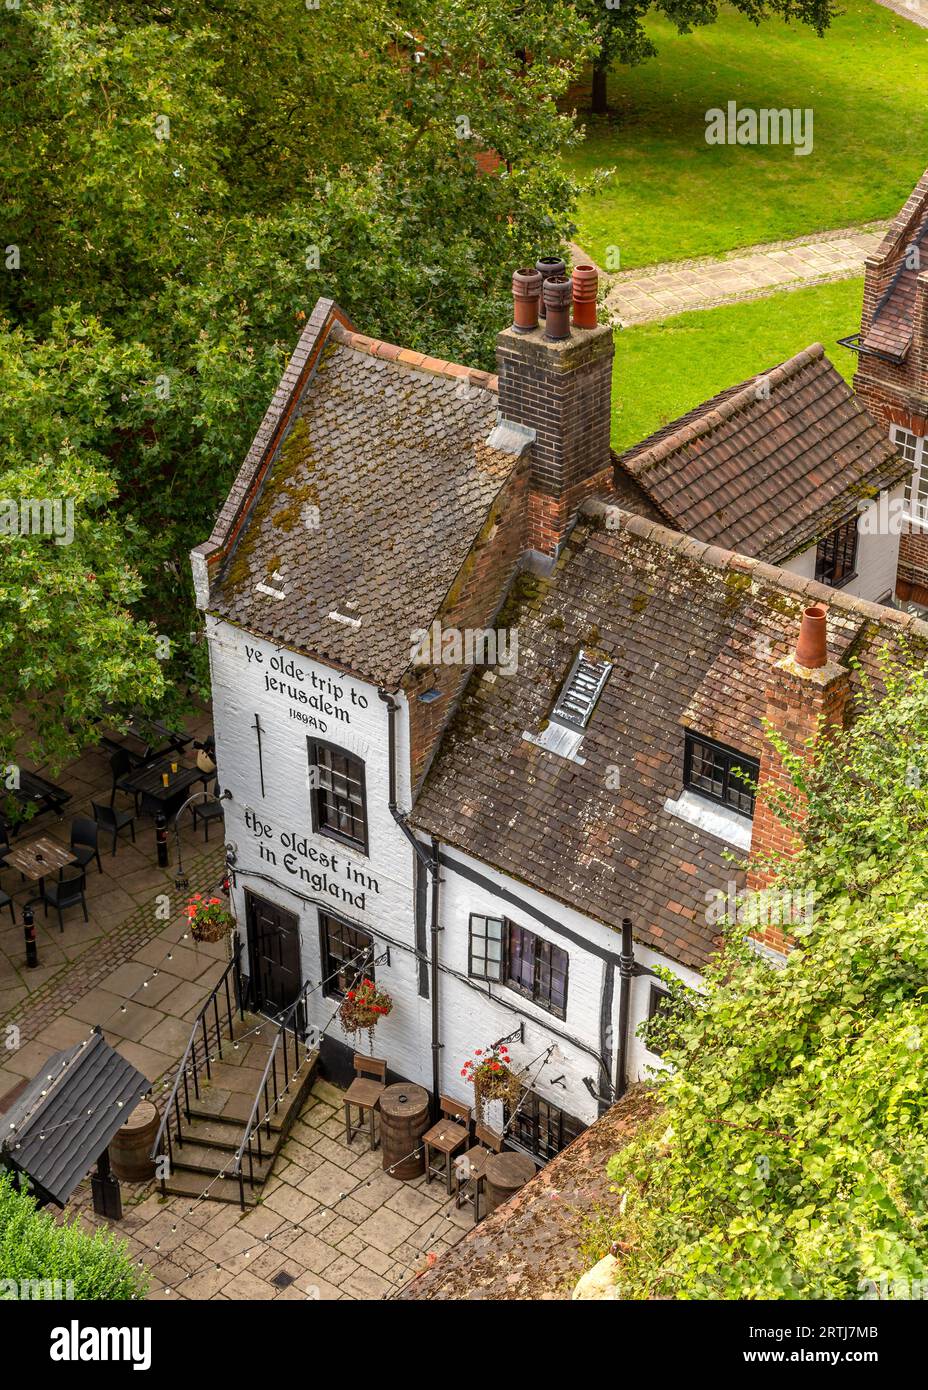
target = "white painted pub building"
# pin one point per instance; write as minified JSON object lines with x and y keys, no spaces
{"x":475,"y":827}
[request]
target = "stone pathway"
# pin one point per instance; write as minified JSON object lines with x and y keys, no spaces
{"x":658,"y":292}
{"x":915,"y":10}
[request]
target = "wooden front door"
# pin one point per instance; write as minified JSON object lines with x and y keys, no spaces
{"x":273,"y":955}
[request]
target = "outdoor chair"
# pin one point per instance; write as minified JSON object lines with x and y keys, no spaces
{"x":84,"y":842}
{"x":7,"y":901}
{"x":67,"y":892}
{"x":113,"y":821}
{"x":122,"y":766}
{"x":470,"y":1167}
{"x":446,"y":1138}
{"x":207,"y":811}
{"x":364,"y":1094}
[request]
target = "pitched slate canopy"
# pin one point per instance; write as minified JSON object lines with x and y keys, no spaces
{"x":67,"y":1115}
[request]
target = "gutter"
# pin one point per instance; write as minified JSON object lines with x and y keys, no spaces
{"x":429,"y":861}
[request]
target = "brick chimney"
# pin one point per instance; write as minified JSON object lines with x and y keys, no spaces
{"x":806,"y":695}
{"x":560,"y":388}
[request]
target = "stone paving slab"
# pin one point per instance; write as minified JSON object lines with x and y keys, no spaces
{"x":658,"y":292}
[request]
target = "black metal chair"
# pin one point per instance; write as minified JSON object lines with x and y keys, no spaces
{"x":67,"y":892}
{"x":7,"y":901}
{"x":85,"y":842}
{"x":122,"y":766}
{"x":207,"y":811}
{"x":113,"y":821}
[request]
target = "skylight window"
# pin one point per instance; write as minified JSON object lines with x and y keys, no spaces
{"x":580,"y":691}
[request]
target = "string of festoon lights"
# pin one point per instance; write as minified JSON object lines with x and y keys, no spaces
{"x":46,"y":1133}
{"x":262,"y":1243}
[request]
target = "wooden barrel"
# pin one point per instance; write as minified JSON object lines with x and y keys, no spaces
{"x":404,"y":1118}
{"x":505,"y":1174}
{"x":130,"y":1146}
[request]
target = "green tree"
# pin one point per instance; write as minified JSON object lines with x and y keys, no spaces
{"x":790,"y":1155}
{"x":193,"y":175}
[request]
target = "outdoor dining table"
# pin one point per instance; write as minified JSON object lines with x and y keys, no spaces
{"x":38,"y":859}
{"x":37,"y":791}
{"x":149,"y":782}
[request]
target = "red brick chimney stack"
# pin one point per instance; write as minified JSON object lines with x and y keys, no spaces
{"x":806,"y":695}
{"x":556,"y":379}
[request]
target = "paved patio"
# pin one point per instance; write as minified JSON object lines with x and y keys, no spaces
{"x":331,"y":1224}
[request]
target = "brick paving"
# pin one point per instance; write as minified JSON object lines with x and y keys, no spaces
{"x":656,"y":292}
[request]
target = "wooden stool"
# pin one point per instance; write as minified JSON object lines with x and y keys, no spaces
{"x":470,"y":1168}
{"x":446,"y":1138}
{"x":365,"y":1094}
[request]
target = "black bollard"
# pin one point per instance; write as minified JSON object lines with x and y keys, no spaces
{"x":32,"y":946}
{"x":161,"y":839}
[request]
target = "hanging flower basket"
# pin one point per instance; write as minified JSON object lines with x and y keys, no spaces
{"x":209,"y":919}
{"x":363,"y":1007}
{"x":492,"y":1077}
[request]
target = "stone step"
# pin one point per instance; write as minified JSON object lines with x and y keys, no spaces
{"x":209,"y":1162}
{"x":187,"y":1184}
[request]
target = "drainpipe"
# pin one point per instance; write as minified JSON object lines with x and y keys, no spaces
{"x":435,"y":928}
{"x":626,"y":975}
{"x":430,"y":863}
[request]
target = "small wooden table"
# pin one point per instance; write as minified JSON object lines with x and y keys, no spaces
{"x":504,"y":1174}
{"x":38,"y":859}
{"x":404,"y":1118}
{"x":149,"y":783}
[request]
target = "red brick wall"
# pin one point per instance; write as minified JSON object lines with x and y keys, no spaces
{"x":472,"y":602}
{"x":799,"y":703}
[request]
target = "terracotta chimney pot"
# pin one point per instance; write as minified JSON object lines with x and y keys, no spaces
{"x":811,"y":648}
{"x":526,"y":298}
{"x":556,"y":293}
{"x":546,"y":267}
{"x":585,"y":283}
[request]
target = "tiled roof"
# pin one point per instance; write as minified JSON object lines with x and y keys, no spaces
{"x":692,"y":632}
{"x":369,"y":507}
{"x":890,"y":331}
{"x":770,"y":465}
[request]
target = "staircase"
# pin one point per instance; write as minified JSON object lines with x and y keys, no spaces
{"x":240,"y":1085}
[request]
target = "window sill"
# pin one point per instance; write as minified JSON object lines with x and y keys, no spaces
{"x":838,"y":583}
{"x":346,"y":840}
{"x":716,"y":820}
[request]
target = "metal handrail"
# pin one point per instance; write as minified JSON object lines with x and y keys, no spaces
{"x":199,"y":1023}
{"x":253,"y":1125}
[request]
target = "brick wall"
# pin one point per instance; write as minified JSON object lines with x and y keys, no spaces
{"x":563,"y":391}
{"x":472,"y":602}
{"x":799,"y":704}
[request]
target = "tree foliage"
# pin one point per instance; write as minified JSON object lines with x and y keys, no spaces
{"x":180,"y":182}
{"x":790,"y":1159}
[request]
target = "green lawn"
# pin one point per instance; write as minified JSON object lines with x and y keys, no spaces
{"x":674,"y":196}
{"x":664,"y":369}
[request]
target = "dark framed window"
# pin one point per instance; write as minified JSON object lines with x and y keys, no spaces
{"x":338,"y":796}
{"x":343,"y":961}
{"x":508,"y":954}
{"x":657,"y":1000}
{"x":541,"y":1127}
{"x":721,"y":774}
{"x":836,"y":555}
{"x":487,"y":948}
